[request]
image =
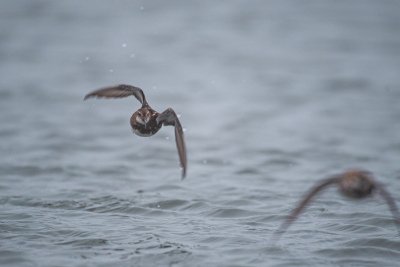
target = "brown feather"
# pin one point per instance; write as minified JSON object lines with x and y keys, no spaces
{"x":119,"y":91}
{"x":169,"y":118}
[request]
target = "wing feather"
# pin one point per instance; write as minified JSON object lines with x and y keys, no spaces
{"x":303,"y":204}
{"x":119,"y":91}
{"x":169,"y":118}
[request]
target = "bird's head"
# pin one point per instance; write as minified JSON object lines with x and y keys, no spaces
{"x":143,"y":116}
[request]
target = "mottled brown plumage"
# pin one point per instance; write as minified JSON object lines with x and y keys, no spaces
{"x":355,"y":184}
{"x":146,"y":121}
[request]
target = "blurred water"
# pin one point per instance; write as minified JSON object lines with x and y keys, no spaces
{"x":274,"y":95}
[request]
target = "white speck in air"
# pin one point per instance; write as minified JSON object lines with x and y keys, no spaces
{"x":124,"y":45}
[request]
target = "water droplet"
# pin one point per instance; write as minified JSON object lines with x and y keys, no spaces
{"x":158,"y":206}
{"x":178,"y":115}
{"x":167,"y":138}
{"x":111,"y":70}
{"x":124,"y":45}
{"x":141,"y":8}
{"x":132,"y":55}
{"x":87,"y":58}
{"x":184,"y":129}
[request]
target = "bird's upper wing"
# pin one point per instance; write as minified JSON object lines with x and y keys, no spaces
{"x":169,"y":118}
{"x":119,"y":91}
{"x":303,"y":203}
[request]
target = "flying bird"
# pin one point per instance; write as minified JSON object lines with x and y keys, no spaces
{"x":356,"y":184}
{"x":146,"y":121}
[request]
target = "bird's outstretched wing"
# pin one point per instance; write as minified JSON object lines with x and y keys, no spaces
{"x":391,"y":203}
{"x":169,"y":118}
{"x":119,"y":91}
{"x":303,"y":203}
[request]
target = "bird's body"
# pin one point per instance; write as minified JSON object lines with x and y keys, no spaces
{"x":146,"y":121}
{"x":356,"y":184}
{"x":142,"y":128}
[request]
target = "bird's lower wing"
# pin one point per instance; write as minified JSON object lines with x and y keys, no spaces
{"x":391,"y":203}
{"x":169,"y":118}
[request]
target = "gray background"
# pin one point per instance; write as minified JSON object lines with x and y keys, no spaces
{"x":274,"y":95}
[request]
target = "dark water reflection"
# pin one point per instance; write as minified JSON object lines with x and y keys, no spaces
{"x":274,"y":95}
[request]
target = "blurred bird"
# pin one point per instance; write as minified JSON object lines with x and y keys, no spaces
{"x":354,"y":184}
{"x":146,"y":121}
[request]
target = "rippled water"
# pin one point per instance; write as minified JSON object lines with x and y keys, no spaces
{"x":274,"y":95}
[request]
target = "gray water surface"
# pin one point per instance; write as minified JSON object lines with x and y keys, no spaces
{"x":274,"y":95}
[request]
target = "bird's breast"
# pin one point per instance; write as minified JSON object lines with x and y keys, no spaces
{"x":151,"y":127}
